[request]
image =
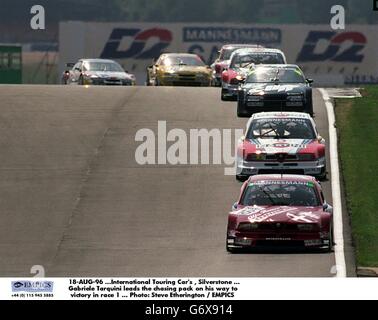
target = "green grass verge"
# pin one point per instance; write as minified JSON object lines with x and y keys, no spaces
{"x":357,"y":125}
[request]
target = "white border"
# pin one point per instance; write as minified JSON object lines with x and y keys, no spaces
{"x":241,"y":289}
{"x":336,"y":190}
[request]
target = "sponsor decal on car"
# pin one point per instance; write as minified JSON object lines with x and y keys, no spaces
{"x":281,"y":182}
{"x":280,"y":88}
{"x":267,"y":215}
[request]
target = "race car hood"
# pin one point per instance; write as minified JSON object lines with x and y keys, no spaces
{"x":289,"y":146}
{"x":280,"y":214}
{"x":271,"y":88}
{"x":110,"y":74}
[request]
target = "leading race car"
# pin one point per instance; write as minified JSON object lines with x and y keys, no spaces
{"x":223,"y":60}
{"x":274,"y":88}
{"x":241,"y":62}
{"x":97,"y":72}
{"x":179,"y":69}
{"x":281,"y":143}
{"x":275,"y":211}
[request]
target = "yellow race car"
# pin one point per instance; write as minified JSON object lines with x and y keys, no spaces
{"x":179,"y":69}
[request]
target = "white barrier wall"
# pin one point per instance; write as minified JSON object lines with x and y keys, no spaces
{"x":330,"y":57}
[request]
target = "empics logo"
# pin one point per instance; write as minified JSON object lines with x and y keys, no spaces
{"x":32,"y":286}
{"x":335,"y":51}
{"x":137,"y":48}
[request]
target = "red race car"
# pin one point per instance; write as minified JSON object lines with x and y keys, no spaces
{"x":240,"y":64}
{"x":223,"y":60}
{"x":280,"y":211}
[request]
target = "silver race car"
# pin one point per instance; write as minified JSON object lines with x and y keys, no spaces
{"x":97,"y":72}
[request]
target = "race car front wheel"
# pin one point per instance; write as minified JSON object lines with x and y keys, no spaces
{"x":323,"y":175}
{"x":224,"y":95}
{"x":241,"y":178}
{"x":241,"y":112}
{"x":309,"y":107}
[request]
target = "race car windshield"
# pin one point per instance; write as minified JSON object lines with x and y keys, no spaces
{"x":281,"y":193}
{"x":103,"y":66}
{"x":243,"y":61}
{"x":275,"y":75}
{"x":183,"y":61}
{"x":287,"y":128}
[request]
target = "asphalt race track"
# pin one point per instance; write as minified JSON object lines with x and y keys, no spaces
{"x":74,"y":200}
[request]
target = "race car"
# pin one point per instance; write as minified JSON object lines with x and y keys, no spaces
{"x":274,"y":88}
{"x":97,"y":72}
{"x":223,"y":60}
{"x":241,"y":62}
{"x":280,"y":211}
{"x":179,"y":69}
{"x":281,"y":143}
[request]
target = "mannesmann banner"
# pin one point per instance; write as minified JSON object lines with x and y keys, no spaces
{"x":329,"y":57}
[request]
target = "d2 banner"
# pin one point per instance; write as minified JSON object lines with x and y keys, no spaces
{"x":330,"y":57}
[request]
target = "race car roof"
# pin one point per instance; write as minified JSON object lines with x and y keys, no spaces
{"x":96,"y":60}
{"x":284,"y":177}
{"x":277,"y":66}
{"x":178,"y":54}
{"x":240,"y":45}
{"x":273,"y":115}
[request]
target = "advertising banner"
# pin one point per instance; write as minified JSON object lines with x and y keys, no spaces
{"x":330,"y":57}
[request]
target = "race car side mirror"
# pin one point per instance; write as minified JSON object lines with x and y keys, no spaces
{"x":310,"y":81}
{"x":234,"y":206}
{"x":320,"y":139}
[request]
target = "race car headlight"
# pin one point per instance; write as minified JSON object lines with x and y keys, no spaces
{"x":295,"y":97}
{"x":94,"y":76}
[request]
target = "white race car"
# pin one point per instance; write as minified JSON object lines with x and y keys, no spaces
{"x":281,"y":143}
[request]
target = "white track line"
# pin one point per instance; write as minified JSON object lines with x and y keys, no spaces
{"x":336,"y":191}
